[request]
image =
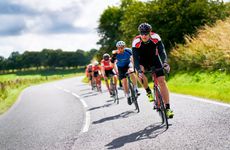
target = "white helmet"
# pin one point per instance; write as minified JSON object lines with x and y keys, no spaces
{"x":95,"y":63}
{"x":120,"y":44}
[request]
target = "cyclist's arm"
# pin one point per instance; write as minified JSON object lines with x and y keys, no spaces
{"x":114,"y":55}
{"x":136,"y":59}
{"x":162,"y":52}
{"x":102,"y":69}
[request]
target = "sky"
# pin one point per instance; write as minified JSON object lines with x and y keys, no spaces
{"x":55,"y":24}
{"x":37,"y":24}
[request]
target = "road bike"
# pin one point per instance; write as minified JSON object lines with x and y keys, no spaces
{"x":158,"y":103}
{"x":134,"y":94}
{"x":113,"y":89}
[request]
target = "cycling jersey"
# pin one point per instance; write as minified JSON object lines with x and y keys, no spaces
{"x":106,"y":64}
{"x":96,"y":68}
{"x":123,"y":59}
{"x":150,"y":53}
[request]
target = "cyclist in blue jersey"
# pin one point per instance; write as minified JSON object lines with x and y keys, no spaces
{"x":124,"y":63}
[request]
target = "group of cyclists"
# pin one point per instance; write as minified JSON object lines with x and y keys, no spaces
{"x":147,"y":51}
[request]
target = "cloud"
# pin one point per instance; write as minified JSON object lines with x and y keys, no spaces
{"x":37,"y":24}
{"x":53,"y":17}
{"x":7,"y":7}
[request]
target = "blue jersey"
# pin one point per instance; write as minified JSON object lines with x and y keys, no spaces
{"x":123,"y":59}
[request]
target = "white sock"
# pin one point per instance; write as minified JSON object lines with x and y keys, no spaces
{"x":135,"y":87}
{"x":128,"y":94}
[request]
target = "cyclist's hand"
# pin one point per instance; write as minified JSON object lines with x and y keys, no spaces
{"x":140,"y":74}
{"x":167,"y":67}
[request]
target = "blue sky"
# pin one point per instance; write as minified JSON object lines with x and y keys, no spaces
{"x":36,"y":24}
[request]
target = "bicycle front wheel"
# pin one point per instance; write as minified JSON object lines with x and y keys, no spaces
{"x":134,"y":97}
{"x":161,"y":107}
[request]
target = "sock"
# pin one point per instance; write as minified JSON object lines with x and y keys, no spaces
{"x":148,"y":90}
{"x":128,"y":94}
{"x":167,"y":106}
{"x":135,"y":87}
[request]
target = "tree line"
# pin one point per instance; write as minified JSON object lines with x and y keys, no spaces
{"x":171,"y":19}
{"x":47,"y":58}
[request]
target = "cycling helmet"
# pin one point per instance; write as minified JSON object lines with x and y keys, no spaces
{"x":144,"y":28}
{"x":106,"y":56}
{"x":96,"y":63}
{"x":90,"y":65}
{"x":120,"y":44}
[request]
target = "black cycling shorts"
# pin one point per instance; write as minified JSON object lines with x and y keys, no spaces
{"x":155,"y":63}
{"x":95,"y":74}
{"x":109,"y":73}
{"x":122,"y":71}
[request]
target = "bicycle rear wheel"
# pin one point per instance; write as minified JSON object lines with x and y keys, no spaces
{"x":134,"y":97}
{"x":161,"y":107}
{"x":116,"y":95}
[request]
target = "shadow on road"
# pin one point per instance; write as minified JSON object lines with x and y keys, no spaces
{"x":89,"y":94}
{"x":149,"y":132}
{"x":82,"y":90}
{"x":111,"y":100}
{"x":119,"y":116}
{"x":98,"y":107}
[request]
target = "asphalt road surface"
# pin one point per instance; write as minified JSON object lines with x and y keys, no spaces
{"x":68,"y":115}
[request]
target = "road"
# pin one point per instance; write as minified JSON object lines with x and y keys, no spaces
{"x":68,"y":115}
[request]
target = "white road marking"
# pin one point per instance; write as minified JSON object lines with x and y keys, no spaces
{"x":66,"y":90}
{"x":82,"y":101}
{"x":87,"y":114}
{"x":87,"y":122}
{"x":202,"y":100}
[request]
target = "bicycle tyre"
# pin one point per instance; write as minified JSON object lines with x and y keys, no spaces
{"x":116,"y":95}
{"x":133,"y":97}
{"x":161,"y":110}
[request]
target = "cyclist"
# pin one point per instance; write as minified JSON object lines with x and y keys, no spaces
{"x":123,"y":57}
{"x":148,"y":51}
{"x":97,"y":74}
{"x":88,"y":72}
{"x":107,"y":71}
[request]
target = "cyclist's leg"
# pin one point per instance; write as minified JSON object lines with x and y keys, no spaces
{"x":145,"y":84}
{"x":96,"y":74}
{"x":134,"y":80}
{"x":122,"y":71}
{"x":106,"y":81}
{"x":144,"y":80}
{"x":114,"y":78}
{"x":164,"y":89}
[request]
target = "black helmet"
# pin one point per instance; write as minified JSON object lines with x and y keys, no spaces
{"x":106,"y":56}
{"x":144,"y":28}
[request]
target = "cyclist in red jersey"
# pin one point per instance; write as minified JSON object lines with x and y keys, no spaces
{"x":88,"y":72}
{"x":97,"y":74}
{"x":108,"y":71}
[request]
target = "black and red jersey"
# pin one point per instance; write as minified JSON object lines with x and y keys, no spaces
{"x":147,"y":52}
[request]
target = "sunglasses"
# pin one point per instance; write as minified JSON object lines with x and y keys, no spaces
{"x":144,"y":33}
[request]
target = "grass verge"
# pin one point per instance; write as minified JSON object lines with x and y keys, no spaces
{"x":211,"y":85}
{"x":11,"y":85}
